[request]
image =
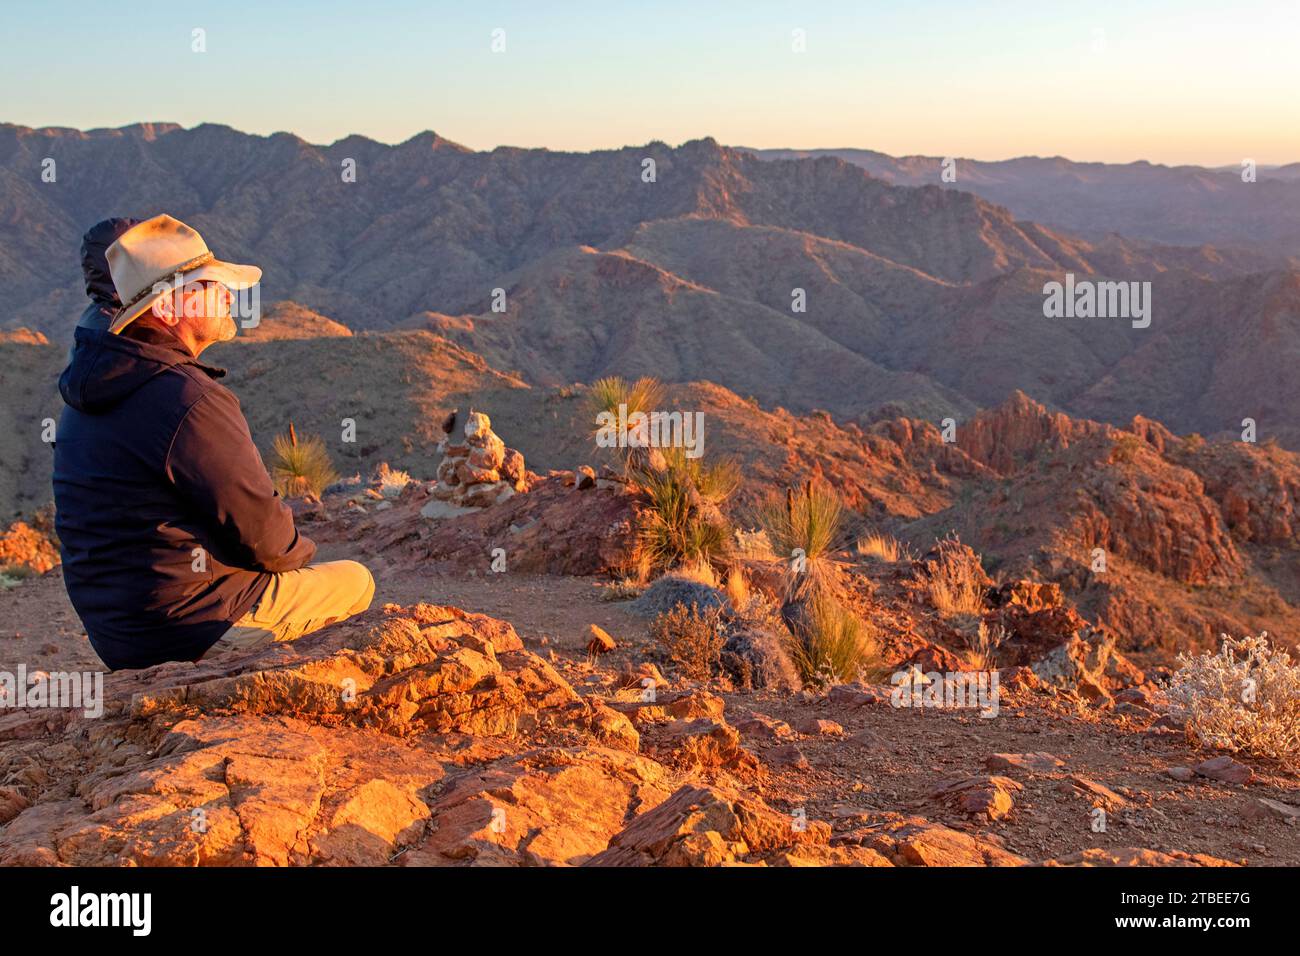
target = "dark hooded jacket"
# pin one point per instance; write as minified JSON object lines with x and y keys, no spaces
{"x":168,"y":523}
{"x":94,"y":267}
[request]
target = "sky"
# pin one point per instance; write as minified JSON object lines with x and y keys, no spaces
{"x":1169,"y":81}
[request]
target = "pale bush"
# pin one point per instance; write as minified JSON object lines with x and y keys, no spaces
{"x":1244,"y":698}
{"x":753,"y":544}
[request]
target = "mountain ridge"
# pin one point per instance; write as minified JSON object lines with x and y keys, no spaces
{"x":925,"y":299}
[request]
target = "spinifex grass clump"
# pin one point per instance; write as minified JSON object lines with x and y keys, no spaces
{"x":830,"y":644}
{"x":804,"y":529}
{"x":644,"y":395}
{"x":1244,"y":698}
{"x":621,"y":399}
{"x":300,"y":468}
{"x":827,"y":642}
{"x":684,"y":523}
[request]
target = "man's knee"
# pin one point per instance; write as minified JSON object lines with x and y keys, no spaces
{"x":363,"y":586}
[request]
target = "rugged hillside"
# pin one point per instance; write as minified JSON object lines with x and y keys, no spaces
{"x":927,"y":301}
{"x":1200,"y":537}
{"x":29,"y":372}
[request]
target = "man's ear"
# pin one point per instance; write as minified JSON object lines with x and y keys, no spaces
{"x":164,"y":309}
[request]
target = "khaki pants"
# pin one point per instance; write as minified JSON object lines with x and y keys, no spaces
{"x":299,"y":602}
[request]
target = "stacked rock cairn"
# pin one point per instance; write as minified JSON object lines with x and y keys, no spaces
{"x":477,"y":469}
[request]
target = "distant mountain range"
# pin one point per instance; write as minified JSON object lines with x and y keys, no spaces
{"x":918,"y":298}
{"x":1181,"y":205}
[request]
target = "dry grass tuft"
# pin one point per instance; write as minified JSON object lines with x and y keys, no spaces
{"x":391,"y":480}
{"x":880,"y":546}
{"x":737,"y":589}
{"x":982,"y":646}
{"x":956,"y":584}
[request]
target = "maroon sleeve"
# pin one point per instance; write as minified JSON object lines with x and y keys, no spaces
{"x":216,"y":467}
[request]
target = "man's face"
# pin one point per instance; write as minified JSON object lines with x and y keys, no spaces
{"x":201,"y":311}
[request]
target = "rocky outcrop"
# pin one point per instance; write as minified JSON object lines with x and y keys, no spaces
{"x":430,"y":669}
{"x":23,"y":336}
{"x":550,"y":807}
{"x":1157,"y":516}
{"x":1060,"y":647}
{"x":1011,"y":435}
{"x":1056,"y":643}
{"x":546,"y":530}
{"x":913,"y":841}
{"x":394,"y":735}
{"x":712,"y":826}
{"x":1257,"y":490}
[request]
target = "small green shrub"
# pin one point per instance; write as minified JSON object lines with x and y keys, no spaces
{"x":1125,"y":448}
{"x":684,"y":524}
{"x":300,"y":468}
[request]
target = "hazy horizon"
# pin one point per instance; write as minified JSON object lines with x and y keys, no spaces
{"x":1169,"y":83}
{"x":743,"y":146}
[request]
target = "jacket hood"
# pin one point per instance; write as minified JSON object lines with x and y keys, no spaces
{"x":94,"y":259}
{"x":106,"y":368}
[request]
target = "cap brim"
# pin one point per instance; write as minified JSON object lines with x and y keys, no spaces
{"x":230,"y":274}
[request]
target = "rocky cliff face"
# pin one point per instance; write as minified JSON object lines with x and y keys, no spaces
{"x":1013,"y":434}
{"x":1150,"y":532}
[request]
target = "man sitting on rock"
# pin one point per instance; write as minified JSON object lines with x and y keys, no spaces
{"x":175,"y":544}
